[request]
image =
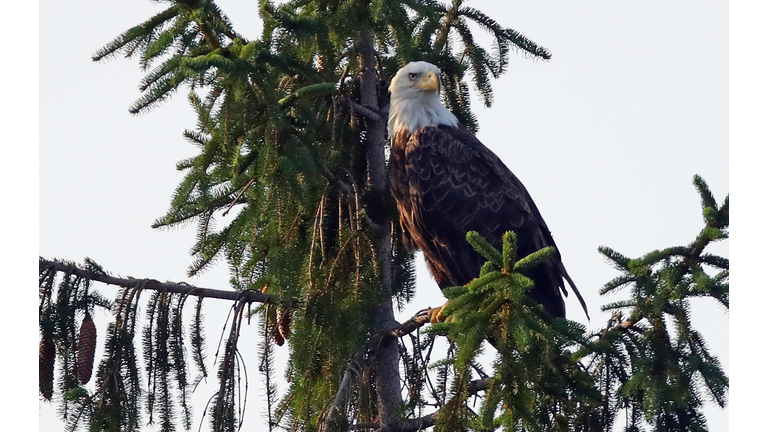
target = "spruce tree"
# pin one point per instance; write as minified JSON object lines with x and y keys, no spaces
{"x":291,"y":138}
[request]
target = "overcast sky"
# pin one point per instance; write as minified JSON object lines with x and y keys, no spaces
{"x":606,"y":137}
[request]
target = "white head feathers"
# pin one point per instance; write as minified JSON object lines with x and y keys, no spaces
{"x":415,"y":99}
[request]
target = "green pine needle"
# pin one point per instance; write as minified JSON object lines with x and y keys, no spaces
{"x":536,"y":258}
{"x":481,"y":245}
{"x":509,"y":250}
{"x":478,"y":284}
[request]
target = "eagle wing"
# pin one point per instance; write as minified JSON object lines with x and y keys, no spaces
{"x":456,"y":185}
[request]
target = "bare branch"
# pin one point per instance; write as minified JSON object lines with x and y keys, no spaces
{"x":477,"y":386}
{"x":367,"y":111}
{"x":412,"y":425}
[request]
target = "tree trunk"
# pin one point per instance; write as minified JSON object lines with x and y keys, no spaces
{"x":386,"y":356}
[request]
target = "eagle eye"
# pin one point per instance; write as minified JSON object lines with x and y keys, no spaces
{"x":412,"y":76}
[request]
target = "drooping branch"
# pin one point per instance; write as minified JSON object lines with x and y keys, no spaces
{"x":170,"y":287}
{"x":348,"y":193}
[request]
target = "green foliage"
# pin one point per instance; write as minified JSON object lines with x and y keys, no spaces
{"x":650,"y":356}
{"x":119,"y":396}
{"x":535,"y":383}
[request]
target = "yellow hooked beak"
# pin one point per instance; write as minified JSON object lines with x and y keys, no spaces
{"x":429,"y":82}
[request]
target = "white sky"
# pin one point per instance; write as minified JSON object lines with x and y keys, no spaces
{"x":606,"y":137}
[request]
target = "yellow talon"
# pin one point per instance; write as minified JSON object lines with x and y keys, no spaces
{"x":436,"y":314}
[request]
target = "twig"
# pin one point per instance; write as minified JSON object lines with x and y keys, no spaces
{"x":235,"y":201}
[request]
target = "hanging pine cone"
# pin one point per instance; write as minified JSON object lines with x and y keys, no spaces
{"x":47,"y":359}
{"x":284,"y":323}
{"x":86,"y":347}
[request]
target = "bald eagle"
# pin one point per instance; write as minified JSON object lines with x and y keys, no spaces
{"x":446,"y":183}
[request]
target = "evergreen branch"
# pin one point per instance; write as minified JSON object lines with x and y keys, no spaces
{"x":170,"y":287}
{"x":620,"y":262}
{"x":481,"y":245}
{"x":480,"y":63}
{"x":535,"y":258}
{"x":508,"y":250}
{"x":715,"y":261}
{"x":707,"y":200}
{"x":198,"y":342}
{"x":141,"y":32}
{"x":526,"y":45}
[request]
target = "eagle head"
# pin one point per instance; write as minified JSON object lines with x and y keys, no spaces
{"x":415,"y":99}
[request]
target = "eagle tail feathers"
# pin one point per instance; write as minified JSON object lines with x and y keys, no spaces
{"x":575,"y":291}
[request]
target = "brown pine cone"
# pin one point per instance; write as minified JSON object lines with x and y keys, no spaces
{"x":47,"y":359}
{"x":284,"y":323}
{"x":86,"y":347}
{"x":277,"y":337}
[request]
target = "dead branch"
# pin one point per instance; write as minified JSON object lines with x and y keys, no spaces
{"x":421,"y":423}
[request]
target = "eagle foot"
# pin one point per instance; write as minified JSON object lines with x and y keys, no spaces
{"x":436,"y":314}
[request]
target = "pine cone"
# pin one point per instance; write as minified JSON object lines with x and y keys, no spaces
{"x":47,"y":359}
{"x":86,"y":347}
{"x":277,"y":337}
{"x":284,"y":323}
